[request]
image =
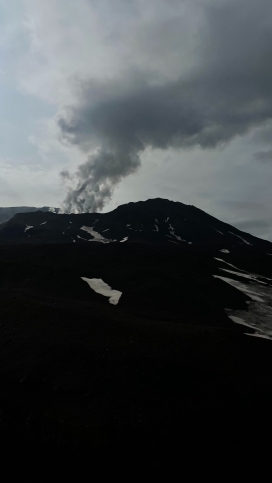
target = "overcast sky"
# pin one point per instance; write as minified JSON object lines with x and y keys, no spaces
{"x":103,"y":102}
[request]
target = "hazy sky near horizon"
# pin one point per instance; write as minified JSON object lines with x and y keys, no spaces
{"x":103,"y":102}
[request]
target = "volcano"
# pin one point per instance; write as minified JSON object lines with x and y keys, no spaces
{"x":132,"y":334}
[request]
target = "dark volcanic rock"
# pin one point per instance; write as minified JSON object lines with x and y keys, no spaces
{"x":155,"y":221}
{"x":8,"y":212}
{"x":163,"y":375}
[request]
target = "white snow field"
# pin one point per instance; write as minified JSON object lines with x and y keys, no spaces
{"x":103,"y":288}
{"x":96,"y":236}
{"x":258,"y":315}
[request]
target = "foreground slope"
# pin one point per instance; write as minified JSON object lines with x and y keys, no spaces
{"x":165,"y":372}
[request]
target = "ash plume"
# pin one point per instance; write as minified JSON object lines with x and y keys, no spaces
{"x":227,"y":93}
{"x":97,"y":177}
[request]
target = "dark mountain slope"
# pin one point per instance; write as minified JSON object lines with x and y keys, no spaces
{"x":8,"y":212}
{"x":135,"y":384}
{"x":164,"y":376}
{"x":157,"y":220}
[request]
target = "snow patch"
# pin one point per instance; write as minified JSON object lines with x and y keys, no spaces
{"x":224,"y":250}
{"x":219,"y":231}
{"x":262,"y":336}
{"x":156,"y":228}
{"x":28,"y":227}
{"x":230,"y":264}
{"x":103,"y":288}
{"x":96,"y":236}
{"x":124,"y":239}
{"x":172,"y":231}
{"x":238,"y":320}
{"x":85,"y":239}
{"x":245,"y":275}
{"x":242,"y":287}
{"x":258,"y":315}
{"x":43,"y":223}
{"x":180,"y":239}
{"x":107,"y":229}
{"x":245,"y":241}
{"x":250,"y":276}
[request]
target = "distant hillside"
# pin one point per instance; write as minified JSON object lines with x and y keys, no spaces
{"x":151,"y":221}
{"x":9,"y":212}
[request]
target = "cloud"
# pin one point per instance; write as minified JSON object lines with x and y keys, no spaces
{"x":245,"y":225}
{"x":257,"y":227}
{"x":133,"y":82}
{"x":97,"y":177}
{"x":216,"y":88}
{"x":65,"y":175}
{"x":264,"y":156}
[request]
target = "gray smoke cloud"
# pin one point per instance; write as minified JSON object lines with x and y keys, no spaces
{"x":227,"y":92}
{"x":97,"y":177}
{"x":264,"y":156}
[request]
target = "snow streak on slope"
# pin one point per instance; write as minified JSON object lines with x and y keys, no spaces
{"x":258,"y":315}
{"x":245,"y":241}
{"x":230,"y":264}
{"x":96,"y":236}
{"x":28,"y":227}
{"x":172,"y":231}
{"x":242,"y":287}
{"x":103,"y":288}
{"x":245,"y":275}
{"x":81,"y":238}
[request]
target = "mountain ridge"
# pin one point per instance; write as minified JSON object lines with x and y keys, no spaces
{"x":155,"y":220}
{"x":9,"y":211}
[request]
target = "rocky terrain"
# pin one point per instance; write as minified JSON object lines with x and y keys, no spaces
{"x":133,"y":336}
